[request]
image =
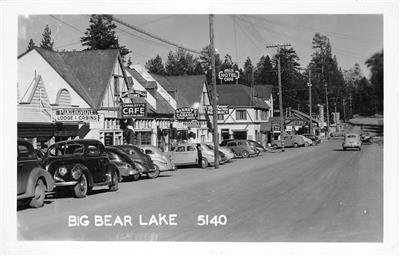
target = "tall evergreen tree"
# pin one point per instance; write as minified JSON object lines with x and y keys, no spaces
{"x":31,"y":45}
{"x":248,"y":70}
{"x":156,"y":65}
{"x":101,"y":35}
{"x":264,"y":73}
{"x":181,"y":62}
{"x":47,"y":42}
{"x":205,"y":61}
{"x":375,"y":64}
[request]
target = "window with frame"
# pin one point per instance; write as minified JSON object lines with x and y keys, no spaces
{"x":257,"y":114}
{"x":264,"y":115}
{"x":116,"y":86}
{"x":220,"y":117}
{"x":25,"y":151}
{"x":241,"y":114}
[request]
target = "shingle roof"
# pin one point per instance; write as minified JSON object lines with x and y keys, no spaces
{"x":146,"y":84}
{"x":263,"y":91}
{"x":93,"y":69}
{"x":163,"y":107}
{"x":57,"y":62}
{"x":237,"y":95}
{"x":188,"y":88}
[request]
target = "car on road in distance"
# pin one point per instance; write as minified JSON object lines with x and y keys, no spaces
{"x":188,"y":154}
{"x":162,"y":160}
{"x":316,"y":140}
{"x":128,"y":169}
{"x":241,"y":148}
{"x":81,"y":165}
{"x":152,"y":171}
{"x":307,"y":142}
{"x":289,"y":141}
{"x":229,"y":154}
{"x":32,"y":180}
{"x":351,"y":140}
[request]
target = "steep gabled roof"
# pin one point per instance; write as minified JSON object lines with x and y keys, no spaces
{"x":238,"y":95}
{"x":93,"y":69}
{"x":145,"y":83}
{"x":188,"y":88}
{"x":263,"y":91}
{"x":57,"y":62}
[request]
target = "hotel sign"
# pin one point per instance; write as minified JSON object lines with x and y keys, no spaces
{"x":129,"y":110}
{"x":76,"y":115}
{"x":186,"y":113}
{"x":228,"y":75}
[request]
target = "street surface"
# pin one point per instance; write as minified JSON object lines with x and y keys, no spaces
{"x":314,"y":194}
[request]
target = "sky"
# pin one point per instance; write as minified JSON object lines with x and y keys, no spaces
{"x":354,"y":38}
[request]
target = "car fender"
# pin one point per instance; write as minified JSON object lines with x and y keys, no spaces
{"x":85,"y":171}
{"x":36,"y":174}
{"x":111,"y":167}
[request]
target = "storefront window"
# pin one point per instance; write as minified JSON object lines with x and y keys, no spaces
{"x":241,"y":115}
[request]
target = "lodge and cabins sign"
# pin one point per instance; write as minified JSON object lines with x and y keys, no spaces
{"x":76,"y":115}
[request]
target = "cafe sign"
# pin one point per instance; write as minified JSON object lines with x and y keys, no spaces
{"x":228,"y":75}
{"x":76,"y":115}
{"x":129,"y":110}
{"x":186,"y":113}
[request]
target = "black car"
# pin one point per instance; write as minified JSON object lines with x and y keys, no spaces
{"x":81,"y":165}
{"x":316,"y":140}
{"x":152,"y":171}
{"x":32,"y":180}
{"x":128,"y":169}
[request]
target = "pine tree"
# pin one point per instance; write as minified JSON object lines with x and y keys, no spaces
{"x":47,"y":42}
{"x":248,"y":70}
{"x":264,"y":73}
{"x":156,"y":65}
{"x":101,"y":35}
{"x":31,"y":45}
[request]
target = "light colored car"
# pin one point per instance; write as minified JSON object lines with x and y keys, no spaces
{"x":307,"y":142}
{"x":227,"y":151}
{"x":208,"y":153}
{"x":351,"y":140}
{"x":189,"y":154}
{"x":162,"y":160}
{"x":289,"y":141}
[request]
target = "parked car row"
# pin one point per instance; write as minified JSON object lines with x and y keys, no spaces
{"x":79,"y":166}
{"x":304,"y":140}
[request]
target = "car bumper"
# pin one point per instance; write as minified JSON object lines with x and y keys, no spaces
{"x":125,"y":172}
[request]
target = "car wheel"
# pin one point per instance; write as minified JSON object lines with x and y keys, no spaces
{"x":114,"y":185}
{"x":81,"y":188}
{"x":154,"y":174}
{"x":136,"y":177}
{"x":245,"y":154}
{"x":359,"y":148}
{"x":274,"y":146}
{"x":40,"y":193}
{"x":344,"y":149}
{"x":204,"y":163}
{"x":295,"y":145}
{"x":306,"y":144}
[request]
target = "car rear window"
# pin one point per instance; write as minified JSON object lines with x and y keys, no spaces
{"x":352,"y":136}
{"x":66,"y":149}
{"x":190,"y":148}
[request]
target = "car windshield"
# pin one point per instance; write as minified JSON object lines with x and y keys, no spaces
{"x":66,"y":149}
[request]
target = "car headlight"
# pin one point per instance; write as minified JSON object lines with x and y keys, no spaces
{"x":62,"y":170}
{"x":128,"y":166}
{"x":140,"y":168}
{"x":76,"y":173}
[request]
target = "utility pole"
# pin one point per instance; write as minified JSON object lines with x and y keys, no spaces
{"x":335,"y":116}
{"x":351,"y":107}
{"x":327,"y":102}
{"x":344,"y":110}
{"x":279,"y":47}
{"x":214,"y":93}
{"x":309,"y":99}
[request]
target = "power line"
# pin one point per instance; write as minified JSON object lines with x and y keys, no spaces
{"x":66,"y":23}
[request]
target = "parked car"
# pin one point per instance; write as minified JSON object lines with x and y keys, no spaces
{"x":316,"y":140}
{"x":162,"y":160}
{"x":189,"y":154}
{"x":81,"y":165}
{"x":366,"y":138}
{"x":128,"y":169}
{"x":257,"y":145}
{"x":289,"y":141}
{"x":151,"y":170}
{"x":32,"y":180}
{"x":307,"y":142}
{"x":229,"y":154}
{"x":241,"y":148}
{"x":39,"y":154}
{"x":351,"y":140}
{"x":208,"y":153}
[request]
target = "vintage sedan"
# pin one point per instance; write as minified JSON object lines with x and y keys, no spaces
{"x":351,"y":140}
{"x":189,"y":154}
{"x":81,"y":165}
{"x":162,"y":160}
{"x":32,"y":180}
{"x":128,"y":169}
{"x":242,"y":148}
{"x":228,"y":153}
{"x":151,"y":170}
{"x":316,"y":140}
{"x":289,"y":141}
{"x":307,"y":142}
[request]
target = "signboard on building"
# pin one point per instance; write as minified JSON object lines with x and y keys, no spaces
{"x":186,"y":113}
{"x":222,"y":110}
{"x":129,"y":110}
{"x":228,"y":75}
{"x":134,"y":93}
{"x":76,"y":115}
{"x":193,"y":124}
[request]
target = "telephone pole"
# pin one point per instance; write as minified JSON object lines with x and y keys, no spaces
{"x":327,"y":102}
{"x":309,"y":99}
{"x":344,"y":110}
{"x":214,"y":93}
{"x":279,"y":47}
{"x":351,"y":107}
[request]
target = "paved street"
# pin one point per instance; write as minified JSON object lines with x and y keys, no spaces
{"x":319,"y":194}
